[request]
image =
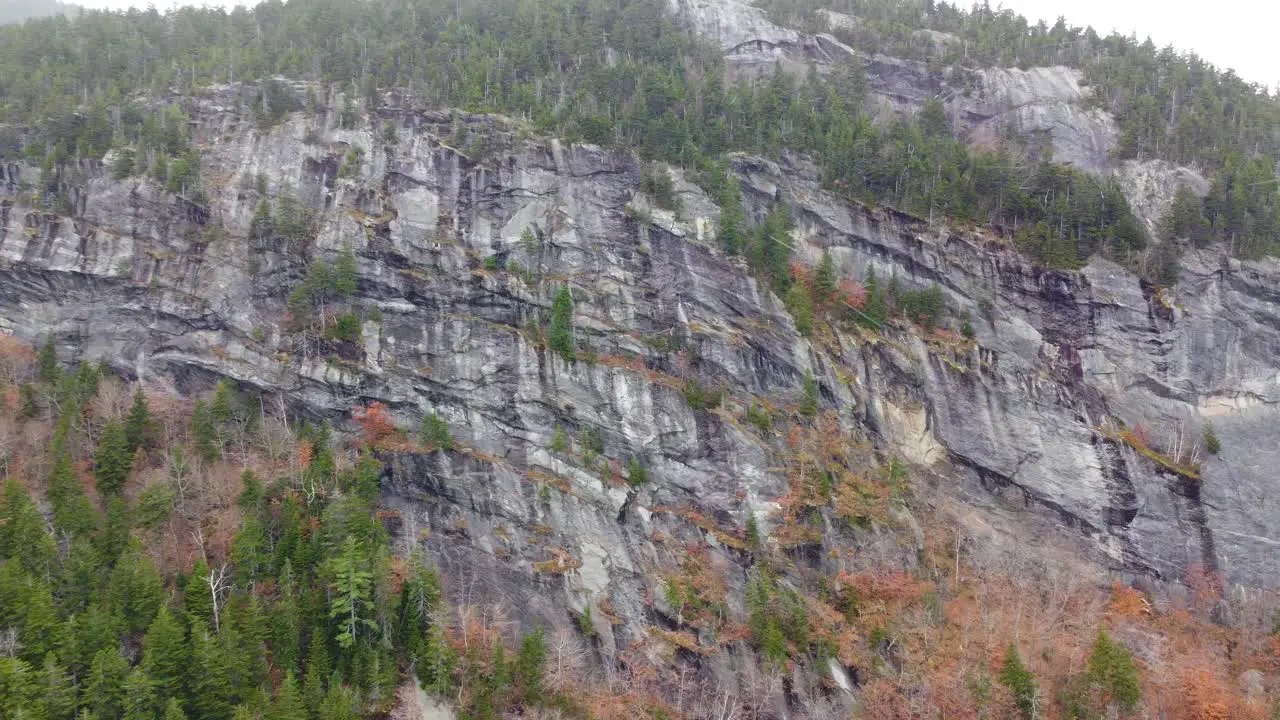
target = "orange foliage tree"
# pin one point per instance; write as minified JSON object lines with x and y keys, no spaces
{"x":376,"y":423}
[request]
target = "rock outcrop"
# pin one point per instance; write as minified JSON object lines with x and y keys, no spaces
{"x":985,"y":104}
{"x":1020,"y":427}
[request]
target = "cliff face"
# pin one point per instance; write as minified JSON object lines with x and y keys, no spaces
{"x":1008,"y":431}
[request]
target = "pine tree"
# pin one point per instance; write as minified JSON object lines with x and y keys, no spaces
{"x":313,"y":684}
{"x":18,"y":686}
{"x":824,"y":282}
{"x":435,"y":432}
{"x":166,"y":655}
{"x":1212,"y":444}
{"x":351,"y":599}
{"x":419,"y":599}
{"x":203,"y":433}
{"x":173,"y":710}
{"x":105,"y":687}
{"x":560,"y":332}
{"x":197,"y":601}
{"x":58,"y":689}
{"x":1015,"y":676}
{"x":72,"y":512}
{"x":212,"y":695}
{"x":135,"y":591}
{"x":286,"y":622}
{"x":222,"y":408}
{"x":40,"y":631}
{"x":249,"y":629}
{"x":800,"y":305}
{"x":138,"y":422}
{"x":140,"y":700}
{"x":732,"y":218}
{"x":23,"y":531}
{"x":877,"y":309}
{"x":529,"y":666}
{"x":113,"y":460}
{"x":48,"y":361}
{"x":753,"y":531}
{"x":346,"y":272}
{"x":809,"y":401}
{"x":1111,"y":669}
{"x":339,"y":704}
{"x":288,"y":704}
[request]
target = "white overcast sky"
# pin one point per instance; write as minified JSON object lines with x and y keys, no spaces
{"x":1238,"y":34}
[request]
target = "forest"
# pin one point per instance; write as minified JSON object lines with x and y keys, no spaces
{"x":626,"y":75}
{"x":208,"y":558}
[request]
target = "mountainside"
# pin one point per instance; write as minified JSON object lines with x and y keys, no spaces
{"x":667,"y":410}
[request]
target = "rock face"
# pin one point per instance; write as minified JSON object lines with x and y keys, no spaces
{"x":1007,"y":427}
{"x":985,"y":104}
{"x":1045,"y":101}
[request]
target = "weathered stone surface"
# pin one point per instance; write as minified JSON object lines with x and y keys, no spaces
{"x":1007,"y":427}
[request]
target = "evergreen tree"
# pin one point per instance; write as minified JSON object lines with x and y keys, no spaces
{"x":166,"y":655}
{"x":173,"y":710}
{"x":211,"y":693}
{"x":1015,"y":676}
{"x":560,"y":332}
{"x":288,"y":704}
{"x":105,"y":686}
{"x":72,"y":512}
{"x":800,"y":304}
{"x":24,"y":535}
{"x":140,"y":700}
{"x":732,"y":218}
{"x":346,"y":272}
{"x":1212,"y":444}
{"x":135,"y":591}
{"x":40,"y":631}
{"x":48,"y":362}
{"x":435,"y":432}
{"x":203,"y":433}
{"x":18,"y":688}
{"x":809,"y":401}
{"x":877,"y":310}
{"x":313,"y":684}
{"x":419,"y":599}
{"x":1111,"y":668}
{"x":824,"y":281}
{"x":113,"y":460}
{"x":58,"y":690}
{"x":351,"y":600}
{"x":438,"y":661}
{"x":286,"y":623}
{"x":529,"y":666}
{"x":339,"y":703}
{"x":138,"y":422}
{"x":197,"y":600}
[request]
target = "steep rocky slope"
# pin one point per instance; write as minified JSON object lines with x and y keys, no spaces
{"x":1015,"y":433}
{"x":985,"y":104}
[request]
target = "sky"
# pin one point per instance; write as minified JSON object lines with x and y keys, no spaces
{"x":1237,"y":34}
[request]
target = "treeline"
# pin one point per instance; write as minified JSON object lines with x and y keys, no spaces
{"x":583,"y":69}
{"x":1170,"y":104}
{"x":303,"y":612}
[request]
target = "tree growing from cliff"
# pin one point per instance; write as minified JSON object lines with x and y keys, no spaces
{"x":1020,"y":682}
{"x":560,"y":329}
